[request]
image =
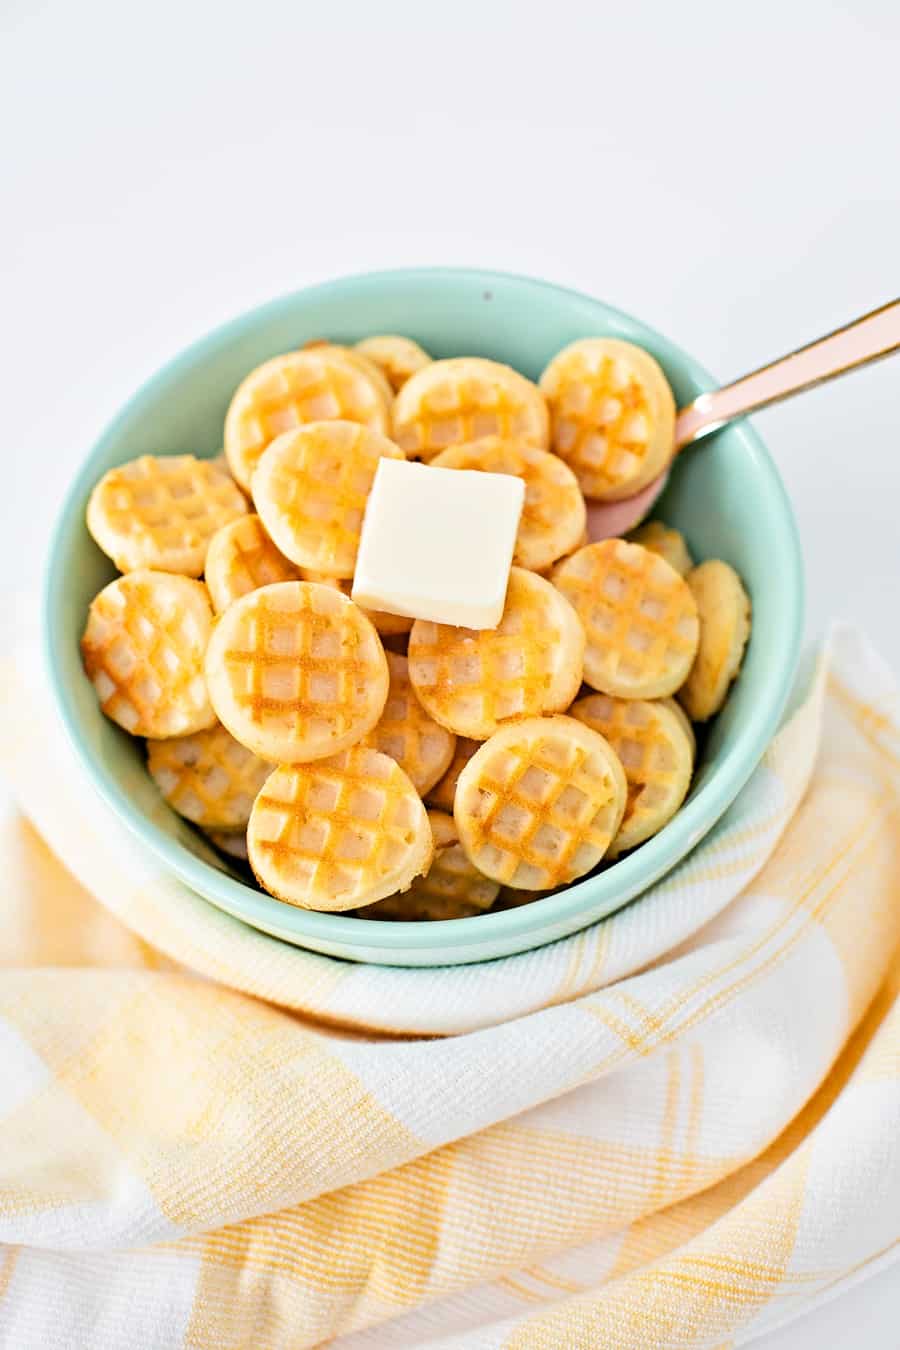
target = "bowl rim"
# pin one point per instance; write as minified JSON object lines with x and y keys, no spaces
{"x":593,"y":896}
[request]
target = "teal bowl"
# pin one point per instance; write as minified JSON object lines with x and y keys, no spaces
{"x":725,"y":495}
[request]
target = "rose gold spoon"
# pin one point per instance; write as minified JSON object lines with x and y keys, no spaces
{"x":859,"y":343}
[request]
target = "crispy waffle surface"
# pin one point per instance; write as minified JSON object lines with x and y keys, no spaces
{"x":451,"y":888}
{"x":553,"y":516}
{"x":724,"y":609}
{"x":342,"y":832}
{"x":463,"y":399}
{"x":241,"y":558}
{"x":639,"y":618}
{"x":442,"y":795}
{"x":398,"y":357}
{"x":472,"y":681}
{"x":160,"y":512}
{"x":668,"y":542}
{"x":209,"y":777}
{"x":657,"y":757}
{"x":143,"y":649}
{"x":314,"y":385}
{"x":540,"y":803}
{"x":612,"y":415}
{"x":310,"y":489}
{"x":296,"y":672}
{"x":388,"y":625}
{"x":422,"y":747}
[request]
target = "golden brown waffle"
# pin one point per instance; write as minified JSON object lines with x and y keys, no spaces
{"x":472,"y":681}
{"x":241,"y":557}
{"x":315,"y":385}
{"x":665,"y":541}
{"x":209,"y":778}
{"x":421,"y":747}
{"x":143,"y":650}
{"x":451,"y":888}
{"x":442,"y":795}
{"x":612,"y":415}
{"x":656,"y":754}
{"x":231,"y":842}
{"x":553,"y":516}
{"x":540,"y":803}
{"x":340,"y":833}
{"x":310,"y":489}
{"x":398,"y":357}
{"x":296,"y":672}
{"x":724,"y":608}
{"x":685,"y":722}
{"x":369,"y":367}
{"x":161,"y":512}
{"x":463,"y":399}
{"x":388,"y":625}
{"x":639,"y":616}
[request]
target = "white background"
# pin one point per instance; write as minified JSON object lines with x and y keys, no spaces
{"x":727,"y":172}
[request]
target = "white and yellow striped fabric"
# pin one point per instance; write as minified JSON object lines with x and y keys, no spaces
{"x":679,"y":1128}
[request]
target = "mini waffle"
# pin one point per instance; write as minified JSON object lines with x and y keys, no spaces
{"x":540,"y":803}
{"x":639,"y":616}
{"x":388,"y":625}
{"x":296,"y":672}
{"x":685,"y":722}
{"x":398,"y":357}
{"x":724,"y":609}
{"x":315,"y":385}
{"x":443,"y":793}
{"x":209,"y":778}
{"x":143,"y":652}
{"x":310,"y":489}
{"x":472,"y":681}
{"x":421,"y":747}
{"x":241,"y":558}
{"x":464,"y":399}
{"x":656,"y":755}
{"x":668,"y":543}
{"x":340,"y":833}
{"x":612,"y":415}
{"x":553,"y":516}
{"x":451,"y":888}
{"x":161,"y":512}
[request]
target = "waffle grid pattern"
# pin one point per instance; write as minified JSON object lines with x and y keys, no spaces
{"x":330,"y":834}
{"x":466,"y":399}
{"x":451,"y":889}
{"x":209,"y":778}
{"x":242,"y":558}
{"x":143,"y":651}
{"x":639,"y":617}
{"x":405,"y":732}
{"x":315,"y":385}
{"x":537,"y":811}
{"x":602,"y":419}
{"x":161,"y":512}
{"x":398,"y":357}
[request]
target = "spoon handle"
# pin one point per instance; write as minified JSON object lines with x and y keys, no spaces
{"x":857,"y":344}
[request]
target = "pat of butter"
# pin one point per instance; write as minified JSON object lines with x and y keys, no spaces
{"x":438,"y":543}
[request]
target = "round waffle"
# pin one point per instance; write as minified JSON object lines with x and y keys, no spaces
{"x":315,"y":385}
{"x":368,"y":366}
{"x":612,"y":415}
{"x":231,"y":842}
{"x":143,"y":652}
{"x":451,"y":888}
{"x":343,"y":832}
{"x":310,"y":489}
{"x":472,"y":681}
{"x":296,"y":672}
{"x":388,"y":625}
{"x":442,"y":795}
{"x":161,"y":512}
{"x":540,"y":803}
{"x":209,"y":777}
{"x":724,"y":609}
{"x":464,"y":399}
{"x":553,"y":516}
{"x":241,"y":558}
{"x":398,"y":357}
{"x":421,"y":747}
{"x":639,"y":616}
{"x":667,"y":542}
{"x":656,"y":755}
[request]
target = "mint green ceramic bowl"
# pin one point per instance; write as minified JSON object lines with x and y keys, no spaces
{"x":725,"y":495}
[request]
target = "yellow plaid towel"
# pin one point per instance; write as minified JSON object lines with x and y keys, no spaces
{"x":679,"y":1128}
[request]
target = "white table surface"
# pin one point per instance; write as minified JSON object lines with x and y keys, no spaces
{"x":729,"y":174}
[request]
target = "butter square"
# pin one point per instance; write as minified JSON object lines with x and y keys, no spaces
{"x":438,"y":543}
